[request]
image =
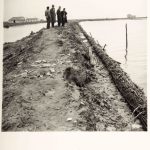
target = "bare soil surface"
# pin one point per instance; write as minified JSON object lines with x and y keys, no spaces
{"x":56,"y":83}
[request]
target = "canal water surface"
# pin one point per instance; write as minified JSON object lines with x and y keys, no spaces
{"x":15,"y":33}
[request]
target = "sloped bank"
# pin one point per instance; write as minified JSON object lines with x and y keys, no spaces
{"x":14,"y":52}
{"x":133,"y":95}
{"x":102,"y":107}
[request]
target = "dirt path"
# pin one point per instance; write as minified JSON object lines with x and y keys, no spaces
{"x":40,"y":98}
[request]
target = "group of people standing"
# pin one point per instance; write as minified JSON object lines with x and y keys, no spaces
{"x":50,"y":15}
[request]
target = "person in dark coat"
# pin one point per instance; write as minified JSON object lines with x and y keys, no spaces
{"x":59,"y":18}
{"x":53,"y":15}
{"x":48,"y":17}
{"x":64,"y":17}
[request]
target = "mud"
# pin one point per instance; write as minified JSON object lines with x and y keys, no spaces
{"x":56,"y":83}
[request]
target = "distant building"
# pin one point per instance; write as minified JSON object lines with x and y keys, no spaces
{"x":131,"y":16}
{"x":32,"y":19}
{"x":17,"y":20}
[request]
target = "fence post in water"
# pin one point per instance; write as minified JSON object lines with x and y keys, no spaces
{"x":126,"y":42}
{"x":126,"y":37}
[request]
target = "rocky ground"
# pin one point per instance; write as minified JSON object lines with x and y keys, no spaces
{"x":53,"y":82}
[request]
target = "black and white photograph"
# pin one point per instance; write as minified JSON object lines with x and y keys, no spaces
{"x":74,"y":74}
{"x":74,"y":65}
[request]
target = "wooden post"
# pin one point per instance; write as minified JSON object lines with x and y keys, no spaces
{"x":126,"y":36}
{"x":126,"y":43}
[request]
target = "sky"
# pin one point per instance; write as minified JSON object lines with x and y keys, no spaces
{"x":77,"y":9}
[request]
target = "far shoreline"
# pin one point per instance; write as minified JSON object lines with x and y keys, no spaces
{"x":110,"y":19}
{"x":7,"y":24}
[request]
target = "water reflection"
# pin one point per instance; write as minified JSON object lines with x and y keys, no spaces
{"x":126,"y":56}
